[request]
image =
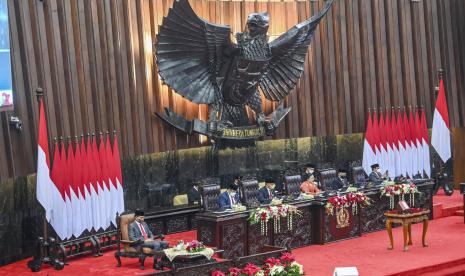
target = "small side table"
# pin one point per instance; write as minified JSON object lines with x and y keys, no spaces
{"x":406,"y":219}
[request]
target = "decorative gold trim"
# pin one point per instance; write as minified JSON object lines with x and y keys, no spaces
{"x":342,"y":218}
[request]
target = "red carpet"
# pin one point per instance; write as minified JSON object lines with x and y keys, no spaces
{"x":444,"y":256}
{"x":446,"y":238}
{"x":88,"y":265}
{"x":448,"y":201}
{"x":444,"y":206}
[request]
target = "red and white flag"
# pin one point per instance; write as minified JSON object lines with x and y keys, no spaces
{"x":376,"y":139}
{"x":383,"y":158}
{"x":106,"y":183}
{"x":59,"y":220}
{"x":93,"y":186}
{"x":369,"y":147}
{"x":425,"y":144}
{"x":73,"y":191}
{"x":65,"y":186}
{"x":118,"y":175}
{"x":101,"y":201}
{"x":46,"y":190}
{"x":85,"y":187}
{"x":395,"y":145}
{"x":112,"y":183}
{"x":401,"y":144}
{"x":440,"y":138}
{"x":408,"y":145}
{"x":79,"y":189}
{"x":419,"y":142}
{"x":413,"y":143}
{"x":391,"y":165}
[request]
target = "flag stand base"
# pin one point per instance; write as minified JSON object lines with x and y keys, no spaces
{"x":46,"y":253}
{"x":442,"y":180}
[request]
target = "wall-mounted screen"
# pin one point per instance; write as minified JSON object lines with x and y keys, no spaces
{"x":6,"y":80}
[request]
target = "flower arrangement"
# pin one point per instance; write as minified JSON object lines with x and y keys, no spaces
{"x":275,"y":212}
{"x":191,"y":247}
{"x":345,"y":201}
{"x":194,"y":246}
{"x":392,"y":189}
{"x":285,"y":265}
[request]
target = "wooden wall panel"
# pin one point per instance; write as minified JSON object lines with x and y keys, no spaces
{"x":95,"y":61}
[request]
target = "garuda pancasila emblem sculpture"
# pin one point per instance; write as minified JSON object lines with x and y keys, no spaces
{"x":200,"y":62}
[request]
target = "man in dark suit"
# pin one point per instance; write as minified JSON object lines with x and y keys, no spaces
{"x":375,"y":176}
{"x":341,"y":181}
{"x":140,"y":233}
{"x":230,"y":197}
{"x":267,"y":193}
{"x":193,"y":195}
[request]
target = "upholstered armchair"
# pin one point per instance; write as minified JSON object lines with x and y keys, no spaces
{"x":359,"y":176}
{"x":128,"y":251}
{"x":210,"y":194}
{"x":249,"y":195}
{"x":292,"y":184}
{"x":326,"y":178}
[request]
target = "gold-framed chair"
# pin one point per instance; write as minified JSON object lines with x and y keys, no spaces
{"x":128,"y":250}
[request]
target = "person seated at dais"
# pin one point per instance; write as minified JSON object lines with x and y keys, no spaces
{"x":193,"y":195}
{"x":310,"y":186}
{"x":309,"y":169}
{"x":341,"y":181}
{"x":139,"y":232}
{"x":230,"y":197}
{"x":375,"y":176}
{"x":267,"y":193}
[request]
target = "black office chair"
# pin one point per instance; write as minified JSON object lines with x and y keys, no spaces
{"x":292,"y":185}
{"x":326,"y":179}
{"x":210,"y":194}
{"x":359,"y":177}
{"x":249,"y":190}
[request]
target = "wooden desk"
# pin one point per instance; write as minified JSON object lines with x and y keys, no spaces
{"x":372,"y":217}
{"x":234,"y":234}
{"x":406,"y":219}
{"x":173,"y":219}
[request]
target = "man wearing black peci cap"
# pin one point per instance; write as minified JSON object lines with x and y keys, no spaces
{"x":375,"y":176}
{"x":267,"y":193}
{"x":230,"y":197}
{"x":139,"y":232}
{"x":309,"y":169}
{"x":341,"y":180}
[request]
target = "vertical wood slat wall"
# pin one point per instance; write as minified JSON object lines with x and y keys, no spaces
{"x":95,"y":61}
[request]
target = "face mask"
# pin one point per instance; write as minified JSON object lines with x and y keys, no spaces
{"x":233,"y":193}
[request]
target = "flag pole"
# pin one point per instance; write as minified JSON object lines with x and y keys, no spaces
{"x":436,"y":94}
{"x":40,"y":97}
{"x":436,"y":89}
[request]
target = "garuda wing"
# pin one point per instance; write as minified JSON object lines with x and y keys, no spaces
{"x":288,"y":56}
{"x":189,"y":53}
